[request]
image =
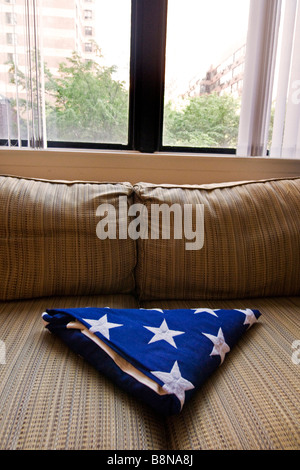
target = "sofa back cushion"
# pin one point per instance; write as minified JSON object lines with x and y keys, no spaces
{"x":48,"y":240}
{"x":251,"y":244}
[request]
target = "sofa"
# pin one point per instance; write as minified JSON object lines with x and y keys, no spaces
{"x":54,"y":254}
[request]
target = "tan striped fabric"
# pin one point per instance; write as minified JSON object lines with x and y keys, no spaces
{"x":251,"y":242}
{"x":252,"y":402}
{"x":52,"y":399}
{"x":48,"y":240}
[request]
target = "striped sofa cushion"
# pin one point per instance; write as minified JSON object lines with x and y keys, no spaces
{"x":251,"y":242}
{"x":48,"y":240}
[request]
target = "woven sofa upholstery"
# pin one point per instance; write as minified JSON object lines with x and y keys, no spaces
{"x":50,"y":256}
{"x":48,"y":240}
{"x":251,"y":233}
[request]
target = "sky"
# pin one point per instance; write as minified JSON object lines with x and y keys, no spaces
{"x":113,"y":34}
{"x":200,"y":33}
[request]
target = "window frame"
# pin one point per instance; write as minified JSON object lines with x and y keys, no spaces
{"x":146,"y":91}
{"x":147,"y":82}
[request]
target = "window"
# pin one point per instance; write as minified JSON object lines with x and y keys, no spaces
{"x":166,"y":75}
{"x":11,"y":38}
{"x":200,"y":109}
{"x":65,"y":90}
{"x":88,"y":14}
{"x":12,"y":57}
{"x":88,"y":47}
{"x":11,"y":18}
{"x":88,"y":30}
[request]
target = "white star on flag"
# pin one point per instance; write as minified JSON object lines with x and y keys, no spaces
{"x":206,"y":310}
{"x":101,"y":326}
{"x":174,"y":382}
{"x":163,"y":334}
{"x":250,"y":317}
{"x":220,"y":347}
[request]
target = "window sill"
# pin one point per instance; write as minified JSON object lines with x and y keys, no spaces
{"x":160,"y":167}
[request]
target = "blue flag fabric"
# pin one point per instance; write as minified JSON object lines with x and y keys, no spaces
{"x":159,"y":356}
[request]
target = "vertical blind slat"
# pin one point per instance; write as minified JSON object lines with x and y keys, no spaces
{"x":283,"y":77}
{"x":259,"y":74}
{"x":292,"y":119}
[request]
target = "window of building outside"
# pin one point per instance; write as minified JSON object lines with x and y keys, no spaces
{"x":11,"y":18}
{"x":88,"y":47}
{"x":11,"y":38}
{"x":88,"y":14}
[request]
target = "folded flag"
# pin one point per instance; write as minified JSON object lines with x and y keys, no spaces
{"x":159,"y":356}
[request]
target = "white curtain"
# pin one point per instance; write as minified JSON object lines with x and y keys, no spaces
{"x":273,"y":45}
{"x":264,"y":20}
{"x":22,"y":112}
{"x":34,"y":77}
{"x":286,"y":129}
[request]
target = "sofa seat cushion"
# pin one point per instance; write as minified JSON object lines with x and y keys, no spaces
{"x":246,"y":237}
{"x":252,"y":401}
{"x":50,"y":398}
{"x":49,"y":239}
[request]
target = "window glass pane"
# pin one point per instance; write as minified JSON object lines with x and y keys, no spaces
{"x":83,"y":53}
{"x":204,"y":72}
{"x":86,"y":50}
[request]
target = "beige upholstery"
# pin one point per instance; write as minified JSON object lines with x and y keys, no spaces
{"x":48,"y":240}
{"x":251,"y":243}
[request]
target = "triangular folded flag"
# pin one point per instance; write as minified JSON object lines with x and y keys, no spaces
{"x":159,"y":356}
